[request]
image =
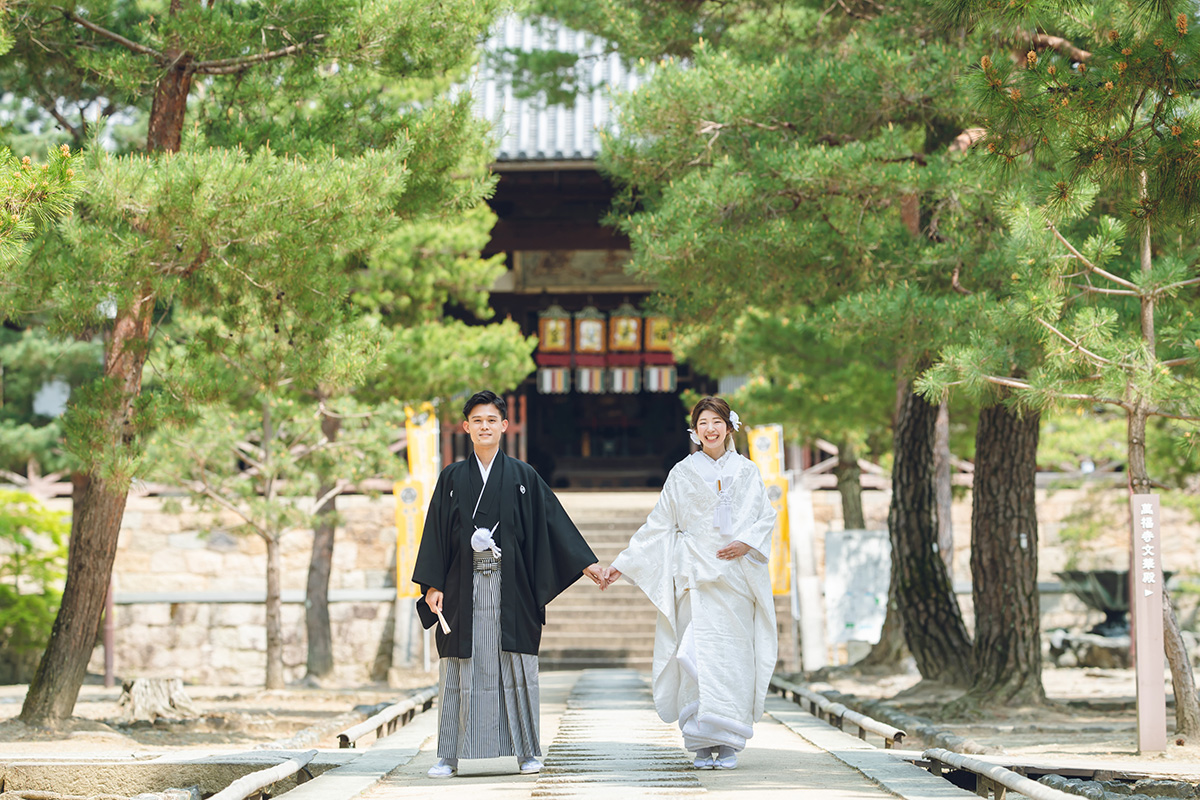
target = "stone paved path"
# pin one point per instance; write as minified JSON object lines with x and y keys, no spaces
{"x":607,"y":741}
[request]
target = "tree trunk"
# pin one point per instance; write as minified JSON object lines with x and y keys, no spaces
{"x":1004,"y":547}
{"x":933,"y":626}
{"x":945,"y":496}
{"x":274,"y":615}
{"x":95,"y":523}
{"x":1183,"y":683}
{"x":849,"y":484}
{"x":98,"y":506}
{"x":316,"y":600}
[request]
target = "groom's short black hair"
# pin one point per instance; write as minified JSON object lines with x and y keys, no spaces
{"x":485,"y":398}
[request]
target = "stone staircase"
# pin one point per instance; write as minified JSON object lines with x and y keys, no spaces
{"x":587,"y":628}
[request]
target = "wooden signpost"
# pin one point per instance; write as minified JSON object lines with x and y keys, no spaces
{"x":1146,"y":618}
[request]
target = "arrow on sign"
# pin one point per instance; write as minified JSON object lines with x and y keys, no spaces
{"x":1148,"y":592}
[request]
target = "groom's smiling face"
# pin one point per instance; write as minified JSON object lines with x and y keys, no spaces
{"x":485,"y":424}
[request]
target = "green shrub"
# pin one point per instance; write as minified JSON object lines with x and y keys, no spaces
{"x":33,"y":557}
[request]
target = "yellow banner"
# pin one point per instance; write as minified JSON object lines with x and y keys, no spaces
{"x":410,"y":521}
{"x":766,"y":449}
{"x":781,"y":547}
{"x":412,"y":495}
{"x":421,"y":427}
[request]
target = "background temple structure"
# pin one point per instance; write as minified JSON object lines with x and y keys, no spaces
{"x":603,"y":408}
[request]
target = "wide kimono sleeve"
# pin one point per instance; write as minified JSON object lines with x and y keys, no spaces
{"x":649,"y":561}
{"x":755,"y":520}
{"x":560,"y":553}
{"x":434,"y":555}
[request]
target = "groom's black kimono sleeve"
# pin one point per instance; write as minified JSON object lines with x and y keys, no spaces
{"x":543,"y":554}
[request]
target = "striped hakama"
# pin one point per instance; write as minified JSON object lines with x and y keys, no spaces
{"x":489,"y":703}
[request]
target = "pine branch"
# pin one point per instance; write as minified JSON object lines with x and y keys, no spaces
{"x":1013,"y":383}
{"x":1074,"y":344}
{"x":229,"y":66}
{"x":1091,"y":267}
{"x":338,"y":489}
{"x":1178,"y":362}
{"x":1097,"y":290}
{"x":1061,"y":45}
{"x":1158,"y":412}
{"x":142,"y":49}
{"x":1173,"y":286}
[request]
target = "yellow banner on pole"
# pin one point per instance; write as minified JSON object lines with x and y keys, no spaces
{"x":421,"y":427}
{"x":412,"y":494}
{"x":781,"y":547}
{"x":766,"y":449}
{"x":410,"y":521}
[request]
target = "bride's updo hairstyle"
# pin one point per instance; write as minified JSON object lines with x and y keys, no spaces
{"x":718,"y":407}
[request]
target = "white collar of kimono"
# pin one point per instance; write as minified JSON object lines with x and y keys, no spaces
{"x":714,"y":469}
{"x":484,"y":471}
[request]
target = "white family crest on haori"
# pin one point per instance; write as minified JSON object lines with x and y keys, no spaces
{"x":716,"y":691}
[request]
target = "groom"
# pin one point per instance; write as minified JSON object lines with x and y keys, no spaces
{"x":496,"y":549}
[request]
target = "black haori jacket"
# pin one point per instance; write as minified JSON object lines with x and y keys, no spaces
{"x":542,"y":552}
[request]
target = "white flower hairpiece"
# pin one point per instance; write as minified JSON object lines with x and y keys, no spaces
{"x":735,"y":420}
{"x":695,"y":438}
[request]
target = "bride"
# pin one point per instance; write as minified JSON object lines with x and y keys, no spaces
{"x":701,"y":558}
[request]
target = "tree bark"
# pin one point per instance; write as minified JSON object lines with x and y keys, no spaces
{"x":316,"y":602}
{"x":945,"y":496}
{"x":99,"y":505}
{"x":93,"y":547}
{"x":933,"y":626}
{"x":274,"y":615}
{"x":849,"y":484}
{"x":1004,"y":546}
{"x":1183,"y":683}
{"x":165,"y":131}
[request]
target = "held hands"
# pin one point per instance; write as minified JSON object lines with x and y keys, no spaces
{"x":734,"y":549}
{"x":596,"y":573}
{"x":611,"y":574}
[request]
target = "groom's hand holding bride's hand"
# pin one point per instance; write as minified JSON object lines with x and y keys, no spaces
{"x":596,"y":573}
{"x":611,"y":574}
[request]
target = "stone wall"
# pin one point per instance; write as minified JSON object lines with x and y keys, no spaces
{"x":188,"y":595}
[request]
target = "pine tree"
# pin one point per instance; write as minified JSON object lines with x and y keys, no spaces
{"x":1102,"y":251}
{"x":807,"y":158}
{"x":264,"y":236}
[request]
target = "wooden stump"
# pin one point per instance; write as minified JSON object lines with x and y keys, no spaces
{"x":151,"y":698}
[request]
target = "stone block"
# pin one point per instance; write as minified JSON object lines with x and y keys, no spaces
{"x":148,"y":614}
{"x":186,"y":540}
{"x":204,"y":562}
{"x":252,"y":637}
{"x":142,"y":540}
{"x":132,"y":562}
{"x":235,"y":615}
{"x":167,"y":561}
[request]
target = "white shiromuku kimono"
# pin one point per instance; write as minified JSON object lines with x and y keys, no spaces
{"x":715,"y":642}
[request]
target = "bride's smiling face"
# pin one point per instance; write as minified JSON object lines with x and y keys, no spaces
{"x":712,"y":430}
